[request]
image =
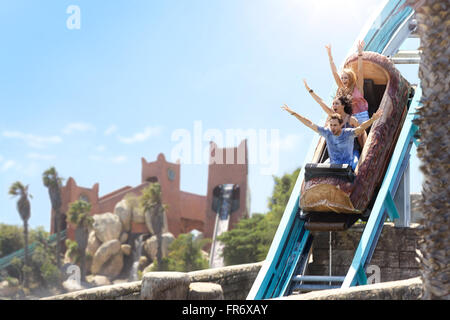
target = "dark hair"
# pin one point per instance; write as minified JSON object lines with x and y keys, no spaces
{"x":336,"y":116}
{"x":346,"y":101}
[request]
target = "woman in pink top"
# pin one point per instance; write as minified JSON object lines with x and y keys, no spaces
{"x":352,"y":84}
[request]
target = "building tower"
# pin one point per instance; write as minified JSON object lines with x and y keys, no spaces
{"x":227,"y":166}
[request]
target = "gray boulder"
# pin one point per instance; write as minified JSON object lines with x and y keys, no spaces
{"x":205,"y":291}
{"x":98,"y":281}
{"x":93,"y":243}
{"x":138,"y":215}
{"x":165,"y":286}
{"x":124,"y":212}
{"x":103,"y":254}
{"x":151,"y":245}
{"x":113,"y":266}
{"x":126,"y":249}
{"x":8,"y":290}
{"x":107,"y":226}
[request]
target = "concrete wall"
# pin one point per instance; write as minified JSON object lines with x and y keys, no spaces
{"x":410,"y":289}
{"x":236,"y":282}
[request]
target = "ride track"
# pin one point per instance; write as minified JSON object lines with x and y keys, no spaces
{"x":287,"y":259}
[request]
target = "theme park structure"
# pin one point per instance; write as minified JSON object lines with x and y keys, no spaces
{"x":333,"y":197}
{"x":185,"y":211}
{"x":227,"y":200}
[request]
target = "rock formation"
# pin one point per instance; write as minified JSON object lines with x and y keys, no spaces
{"x":111,"y":248}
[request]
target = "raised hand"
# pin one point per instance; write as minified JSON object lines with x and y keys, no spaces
{"x":360,"y":46}
{"x":328,"y":47}
{"x":378,"y":114}
{"x":306,"y":85}
{"x":285,"y":107}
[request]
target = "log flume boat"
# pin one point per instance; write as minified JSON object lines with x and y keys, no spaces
{"x":333,"y":197}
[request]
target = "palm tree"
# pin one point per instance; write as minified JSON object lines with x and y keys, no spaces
{"x":432,"y":18}
{"x":151,"y":202}
{"x":23,"y":207}
{"x":53,"y":182}
{"x":79,"y":215}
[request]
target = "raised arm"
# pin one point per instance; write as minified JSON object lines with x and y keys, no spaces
{"x":318,"y":99}
{"x":303,"y":120}
{"x":377,"y":115}
{"x":360,"y":75}
{"x":333,"y":67}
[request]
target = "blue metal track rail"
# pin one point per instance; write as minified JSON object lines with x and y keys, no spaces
{"x":384,"y":203}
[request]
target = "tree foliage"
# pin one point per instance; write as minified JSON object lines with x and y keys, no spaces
{"x":185,"y":254}
{"x":17,"y":189}
{"x":79,"y":215}
{"x":42,"y":270}
{"x":53,"y":182}
{"x":11,"y":239}
{"x":151,"y":202}
{"x":250,"y":240}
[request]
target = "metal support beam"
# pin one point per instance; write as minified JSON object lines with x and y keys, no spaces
{"x":384,"y":199}
{"x":319,"y":278}
{"x":361,"y":276}
{"x":402,"y":200}
{"x":406,"y":57}
{"x":312,"y":287}
{"x":391,"y":208}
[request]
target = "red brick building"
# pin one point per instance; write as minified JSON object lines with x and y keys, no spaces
{"x":186,"y":211}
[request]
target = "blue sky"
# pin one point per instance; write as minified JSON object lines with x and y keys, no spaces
{"x":93,"y":101}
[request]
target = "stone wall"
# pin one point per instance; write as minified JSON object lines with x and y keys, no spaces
{"x":121,"y":291}
{"x":236,"y":282}
{"x":394,"y":255}
{"x":410,"y":289}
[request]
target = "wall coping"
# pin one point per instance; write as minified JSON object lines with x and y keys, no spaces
{"x":132,"y":290}
{"x":409,"y":289}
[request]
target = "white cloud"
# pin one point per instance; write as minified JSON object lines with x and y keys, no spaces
{"x":110,"y":130}
{"x":8,"y":165}
{"x":78,"y":127}
{"x":39,"y":156}
{"x":118,"y":159}
{"x":114,"y":159}
{"x":141,"y":136}
{"x":32,"y":140}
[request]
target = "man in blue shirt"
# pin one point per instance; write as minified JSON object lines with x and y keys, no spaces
{"x":339,"y":140}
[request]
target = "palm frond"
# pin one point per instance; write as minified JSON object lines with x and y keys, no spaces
{"x":17,"y":189}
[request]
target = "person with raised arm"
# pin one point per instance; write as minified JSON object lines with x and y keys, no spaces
{"x":339,"y":140}
{"x":343,"y":106}
{"x":351,"y":83}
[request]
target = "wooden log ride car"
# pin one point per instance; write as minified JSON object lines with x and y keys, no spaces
{"x":333,"y":197}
